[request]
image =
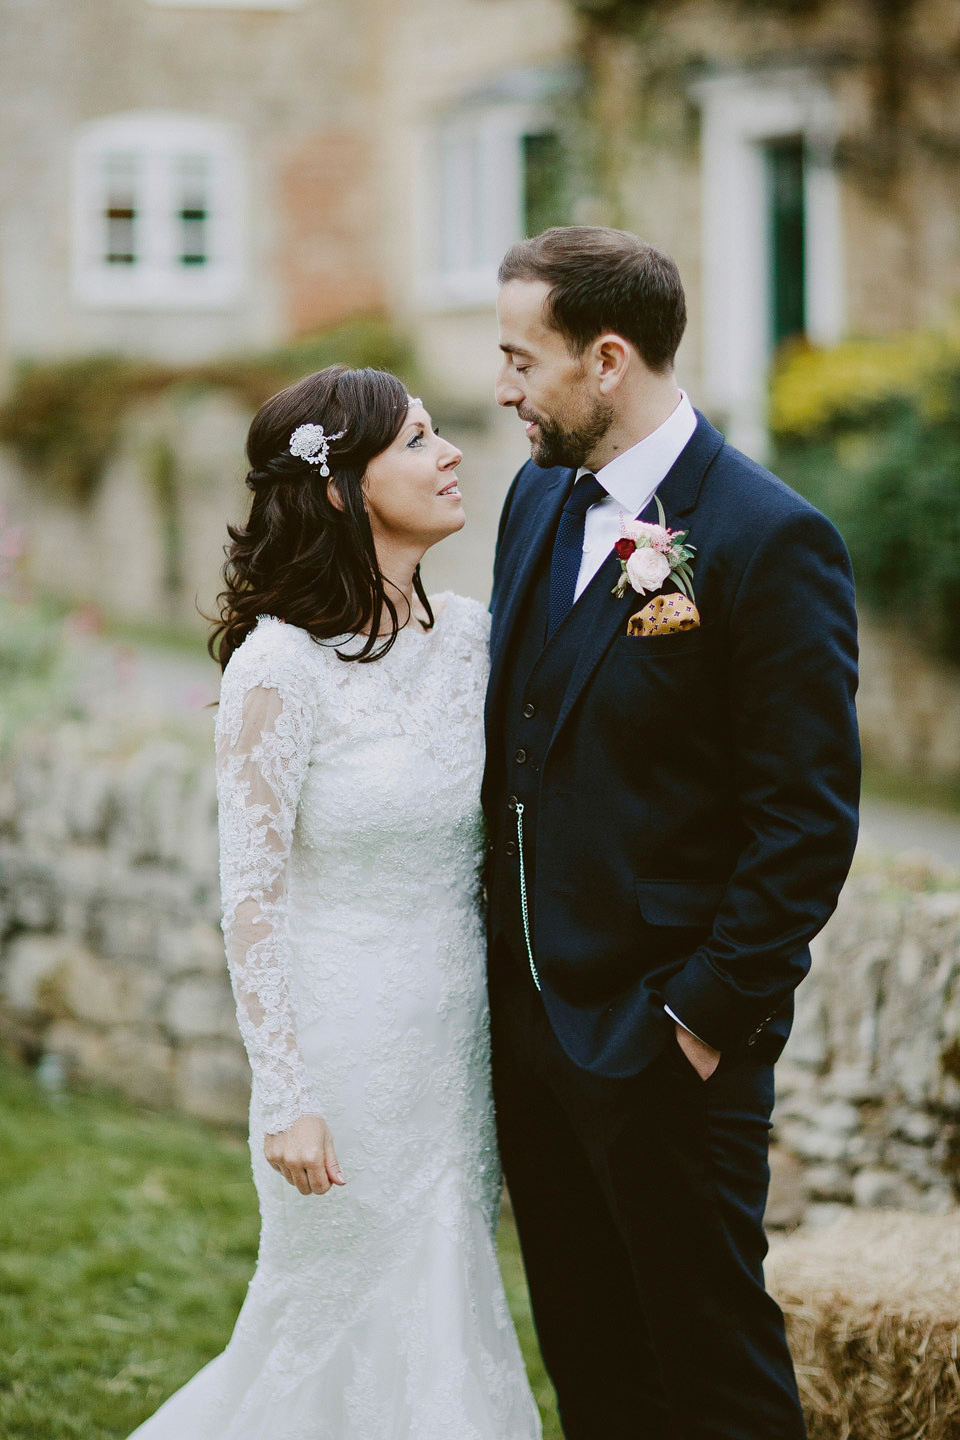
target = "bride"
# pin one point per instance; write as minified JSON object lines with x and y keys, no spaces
{"x":349,"y":752}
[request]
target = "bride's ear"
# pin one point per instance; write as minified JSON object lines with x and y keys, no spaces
{"x":333,"y":493}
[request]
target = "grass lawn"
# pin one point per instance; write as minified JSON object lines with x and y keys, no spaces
{"x":126,"y":1243}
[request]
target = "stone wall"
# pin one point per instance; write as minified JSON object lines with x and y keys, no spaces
{"x":111,"y":958}
{"x":112,"y":967}
{"x":868,"y":1108}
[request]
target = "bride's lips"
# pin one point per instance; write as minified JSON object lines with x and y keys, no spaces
{"x":452,"y":490}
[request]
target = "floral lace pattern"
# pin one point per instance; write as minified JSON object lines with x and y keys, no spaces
{"x":351,"y":843}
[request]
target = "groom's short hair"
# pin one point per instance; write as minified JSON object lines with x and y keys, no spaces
{"x":602,"y":279}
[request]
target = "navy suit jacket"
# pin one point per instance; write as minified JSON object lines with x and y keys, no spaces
{"x":697,"y":807}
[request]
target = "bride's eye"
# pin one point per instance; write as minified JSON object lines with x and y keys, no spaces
{"x":415,"y":441}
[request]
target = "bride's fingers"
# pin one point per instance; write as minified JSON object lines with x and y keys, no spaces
{"x":319,"y":1184}
{"x":331,"y":1162}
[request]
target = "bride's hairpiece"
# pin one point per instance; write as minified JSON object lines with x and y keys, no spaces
{"x":309,"y":443}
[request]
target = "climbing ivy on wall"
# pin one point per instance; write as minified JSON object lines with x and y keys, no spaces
{"x":64,"y":417}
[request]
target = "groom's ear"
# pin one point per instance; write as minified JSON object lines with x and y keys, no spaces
{"x":610,"y":356}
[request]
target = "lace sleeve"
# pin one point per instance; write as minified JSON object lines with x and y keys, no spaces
{"x":264,"y":731}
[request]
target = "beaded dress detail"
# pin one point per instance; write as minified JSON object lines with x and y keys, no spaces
{"x":351,"y":842}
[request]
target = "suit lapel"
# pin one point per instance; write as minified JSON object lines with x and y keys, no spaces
{"x":528,"y":550}
{"x":603,"y":617}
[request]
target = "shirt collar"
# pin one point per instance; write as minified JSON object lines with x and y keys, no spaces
{"x":632,"y":476}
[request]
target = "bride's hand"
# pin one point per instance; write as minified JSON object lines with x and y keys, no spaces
{"x":304,"y":1155}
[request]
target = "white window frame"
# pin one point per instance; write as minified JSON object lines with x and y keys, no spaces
{"x":230,"y":4}
{"x":156,"y":281}
{"x":742,"y":114}
{"x":494,"y":134}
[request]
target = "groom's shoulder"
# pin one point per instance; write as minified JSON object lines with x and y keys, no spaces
{"x":529,"y":485}
{"x":744,"y":488}
{"x":533,"y":479}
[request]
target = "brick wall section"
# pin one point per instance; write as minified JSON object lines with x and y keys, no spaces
{"x":326,"y":268}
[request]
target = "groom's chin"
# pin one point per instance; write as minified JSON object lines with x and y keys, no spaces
{"x":546,"y":458}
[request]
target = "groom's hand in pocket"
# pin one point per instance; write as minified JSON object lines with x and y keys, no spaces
{"x":702,"y":1056}
{"x":304,"y":1155}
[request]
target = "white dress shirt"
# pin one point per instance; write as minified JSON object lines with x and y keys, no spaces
{"x":630,"y":481}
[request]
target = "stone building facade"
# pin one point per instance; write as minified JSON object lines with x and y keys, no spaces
{"x":226,"y":173}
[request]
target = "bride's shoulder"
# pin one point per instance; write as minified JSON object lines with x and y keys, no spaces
{"x":273,"y":654}
{"x":462,"y":614}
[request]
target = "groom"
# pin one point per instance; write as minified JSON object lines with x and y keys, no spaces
{"x":671,"y":791}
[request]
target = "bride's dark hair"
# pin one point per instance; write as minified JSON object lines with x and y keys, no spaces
{"x":300,"y":556}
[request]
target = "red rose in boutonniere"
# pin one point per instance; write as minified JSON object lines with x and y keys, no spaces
{"x":651,"y":554}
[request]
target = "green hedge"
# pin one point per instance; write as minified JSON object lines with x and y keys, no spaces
{"x":871,"y":434}
{"x":63,"y":417}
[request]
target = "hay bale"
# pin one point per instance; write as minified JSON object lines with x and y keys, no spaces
{"x":872,"y":1306}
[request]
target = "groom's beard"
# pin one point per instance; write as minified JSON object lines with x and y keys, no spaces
{"x":568,"y":445}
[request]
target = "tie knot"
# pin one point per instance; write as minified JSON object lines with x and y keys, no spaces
{"x":585,"y":493}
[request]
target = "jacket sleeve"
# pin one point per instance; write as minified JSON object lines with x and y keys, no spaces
{"x":792,"y":677}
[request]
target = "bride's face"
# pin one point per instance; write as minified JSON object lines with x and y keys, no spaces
{"x":410,"y":489}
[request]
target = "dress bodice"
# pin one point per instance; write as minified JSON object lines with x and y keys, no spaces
{"x":348,"y":814}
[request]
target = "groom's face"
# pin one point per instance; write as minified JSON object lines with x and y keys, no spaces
{"x":548,"y":386}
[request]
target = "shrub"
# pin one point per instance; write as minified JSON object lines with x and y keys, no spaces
{"x":871,"y":434}
{"x":64,"y":416}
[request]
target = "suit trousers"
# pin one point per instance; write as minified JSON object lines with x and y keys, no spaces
{"x":639,"y":1203}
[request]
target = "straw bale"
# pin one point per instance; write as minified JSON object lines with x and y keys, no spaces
{"x":872,"y":1305}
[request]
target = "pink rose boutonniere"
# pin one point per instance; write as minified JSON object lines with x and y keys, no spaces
{"x":651,"y":554}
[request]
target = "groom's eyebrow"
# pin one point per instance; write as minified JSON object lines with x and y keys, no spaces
{"x":509,"y":349}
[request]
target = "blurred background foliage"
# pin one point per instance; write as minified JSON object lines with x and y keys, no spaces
{"x":64,"y":417}
{"x":870,"y":432}
{"x":33,"y":676}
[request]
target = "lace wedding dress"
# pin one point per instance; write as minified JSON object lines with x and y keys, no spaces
{"x":350,"y":847}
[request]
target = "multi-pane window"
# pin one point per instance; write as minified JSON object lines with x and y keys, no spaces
{"x":499,"y":176}
{"x":157,"y":212}
{"x":120,"y":208}
{"x":544,"y":182}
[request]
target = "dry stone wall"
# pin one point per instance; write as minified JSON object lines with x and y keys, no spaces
{"x":112,"y":968}
{"x":111,"y":958}
{"x":868,"y":1107}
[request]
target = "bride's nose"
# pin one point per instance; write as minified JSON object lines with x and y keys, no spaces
{"x":452,"y":459}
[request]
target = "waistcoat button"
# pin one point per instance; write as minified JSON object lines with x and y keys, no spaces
{"x":520,"y":757}
{"x":529,"y":711}
{"x":510,"y":848}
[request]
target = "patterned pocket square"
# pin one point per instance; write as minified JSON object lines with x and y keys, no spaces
{"x":664,"y":615}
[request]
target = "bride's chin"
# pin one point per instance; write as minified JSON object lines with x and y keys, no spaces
{"x":456,"y":522}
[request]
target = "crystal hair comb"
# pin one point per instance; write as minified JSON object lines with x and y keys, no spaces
{"x":310,"y":443}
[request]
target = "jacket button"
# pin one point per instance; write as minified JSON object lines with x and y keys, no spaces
{"x":510,"y":848}
{"x":529,"y":710}
{"x":752,"y":1039}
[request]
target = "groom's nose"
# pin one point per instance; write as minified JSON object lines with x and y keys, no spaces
{"x":506,"y":389}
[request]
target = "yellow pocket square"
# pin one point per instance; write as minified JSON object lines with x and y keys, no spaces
{"x":664,"y":615}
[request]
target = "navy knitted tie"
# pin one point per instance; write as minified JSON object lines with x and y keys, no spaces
{"x":568,"y":548}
